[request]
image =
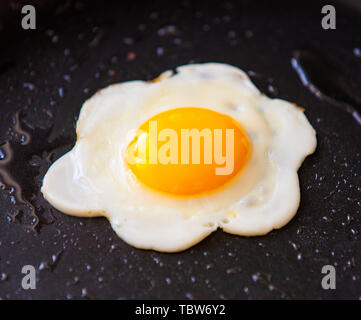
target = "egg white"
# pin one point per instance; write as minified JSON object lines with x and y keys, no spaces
{"x":93,"y":179}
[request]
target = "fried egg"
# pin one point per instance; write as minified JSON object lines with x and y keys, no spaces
{"x":169,"y":161}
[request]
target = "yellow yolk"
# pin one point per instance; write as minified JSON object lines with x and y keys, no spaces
{"x":188,"y":151}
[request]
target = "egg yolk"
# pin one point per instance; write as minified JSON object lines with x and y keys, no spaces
{"x":188,"y":151}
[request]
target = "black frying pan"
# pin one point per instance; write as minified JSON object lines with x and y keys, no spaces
{"x":80,"y":47}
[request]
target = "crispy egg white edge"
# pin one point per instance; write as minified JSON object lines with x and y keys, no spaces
{"x":80,"y":197}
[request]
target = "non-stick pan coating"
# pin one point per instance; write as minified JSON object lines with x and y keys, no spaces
{"x":46,"y":75}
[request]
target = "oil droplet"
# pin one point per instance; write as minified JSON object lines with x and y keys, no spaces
{"x":255,"y":277}
{"x":233,"y":270}
{"x":84,"y":292}
{"x":189,"y":296}
{"x":25,"y":136}
{"x":357,"y":52}
{"x":209,"y":266}
{"x":326,"y":80}
{"x":14,"y":188}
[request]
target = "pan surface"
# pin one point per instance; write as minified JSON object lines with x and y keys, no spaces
{"x":45,"y":76}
